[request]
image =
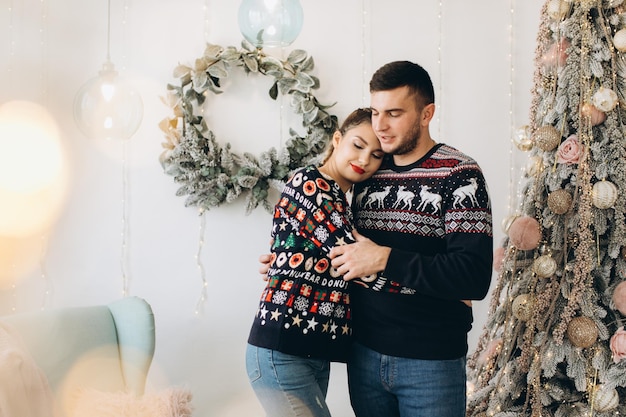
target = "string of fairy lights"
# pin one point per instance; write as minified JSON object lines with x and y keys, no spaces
{"x":204,"y":283}
{"x":440,"y":106}
{"x":125,"y":226}
{"x":10,"y":72}
{"x":365,"y":42}
{"x":512,"y":122}
{"x":43,"y":40}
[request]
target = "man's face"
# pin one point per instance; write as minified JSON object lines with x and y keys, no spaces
{"x":396,"y":120}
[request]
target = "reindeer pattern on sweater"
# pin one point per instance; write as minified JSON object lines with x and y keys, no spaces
{"x":442,"y":197}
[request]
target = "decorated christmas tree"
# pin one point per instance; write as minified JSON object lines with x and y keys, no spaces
{"x":554,"y":343}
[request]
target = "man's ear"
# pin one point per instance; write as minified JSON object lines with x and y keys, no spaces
{"x":428,"y":112}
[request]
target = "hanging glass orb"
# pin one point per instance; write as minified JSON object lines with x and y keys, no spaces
{"x":271,"y":23}
{"x":107,"y":107}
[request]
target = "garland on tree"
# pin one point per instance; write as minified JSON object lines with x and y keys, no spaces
{"x":210,"y":174}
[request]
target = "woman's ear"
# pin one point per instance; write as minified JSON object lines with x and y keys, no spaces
{"x":336,"y":138}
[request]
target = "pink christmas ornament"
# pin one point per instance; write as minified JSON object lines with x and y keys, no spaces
{"x":555,"y":56}
{"x":525,"y":233}
{"x":618,"y":345}
{"x":498,"y":259}
{"x":596,"y":116}
{"x":619,"y":297}
{"x":492,"y":349}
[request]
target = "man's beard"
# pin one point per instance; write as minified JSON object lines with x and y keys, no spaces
{"x":409,"y":142}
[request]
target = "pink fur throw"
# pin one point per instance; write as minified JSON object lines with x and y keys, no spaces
{"x":173,"y":402}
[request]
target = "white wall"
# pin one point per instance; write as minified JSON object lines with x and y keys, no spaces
{"x":48,"y":49}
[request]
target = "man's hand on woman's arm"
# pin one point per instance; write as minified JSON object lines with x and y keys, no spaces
{"x":360,"y":259}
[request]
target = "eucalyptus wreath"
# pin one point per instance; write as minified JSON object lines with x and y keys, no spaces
{"x":210,"y":174}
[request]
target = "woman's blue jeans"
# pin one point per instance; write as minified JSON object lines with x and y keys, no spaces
{"x":390,"y":386}
{"x":288,"y":385}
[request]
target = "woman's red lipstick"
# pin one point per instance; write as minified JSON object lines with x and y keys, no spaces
{"x":357,"y":169}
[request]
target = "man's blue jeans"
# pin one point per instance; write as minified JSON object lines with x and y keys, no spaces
{"x":288,"y":385}
{"x":390,"y":386}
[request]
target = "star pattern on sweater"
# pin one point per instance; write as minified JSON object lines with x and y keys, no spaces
{"x":276,"y":314}
{"x":312,"y":323}
{"x":263,"y":312}
{"x":333,"y":327}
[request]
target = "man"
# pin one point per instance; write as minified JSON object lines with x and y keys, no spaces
{"x":426,"y":223}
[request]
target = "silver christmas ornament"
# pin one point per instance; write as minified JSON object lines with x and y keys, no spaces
{"x":604,"y":398}
{"x":544,"y":266}
{"x":523,"y":307}
{"x":604,"y":194}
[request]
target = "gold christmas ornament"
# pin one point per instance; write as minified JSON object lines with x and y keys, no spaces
{"x":604,"y":194}
{"x":582,"y":332}
{"x":559,"y":201}
{"x":588,"y":4}
{"x":557,"y":9}
{"x":619,"y":40}
{"x":534,"y":165}
{"x":544,"y":266}
{"x":604,"y":398}
{"x":547,"y":138}
{"x":522,"y":139}
{"x":523,"y":307}
{"x":507,"y":222}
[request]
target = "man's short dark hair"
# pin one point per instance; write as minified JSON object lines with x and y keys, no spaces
{"x":404,"y":73}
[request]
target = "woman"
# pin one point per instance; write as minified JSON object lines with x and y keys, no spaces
{"x":303,"y":319}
